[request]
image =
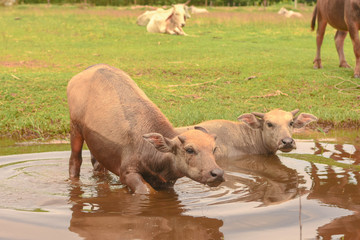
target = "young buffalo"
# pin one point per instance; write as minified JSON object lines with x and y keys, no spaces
{"x":130,"y":137}
{"x":256,"y":133}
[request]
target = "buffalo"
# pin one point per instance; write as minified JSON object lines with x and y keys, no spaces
{"x":343,"y":15}
{"x":256,"y":133}
{"x":128,"y":135}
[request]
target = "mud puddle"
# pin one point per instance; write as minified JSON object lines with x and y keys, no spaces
{"x":279,"y":197}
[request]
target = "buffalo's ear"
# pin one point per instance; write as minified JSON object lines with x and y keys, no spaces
{"x":160,"y":142}
{"x":251,"y":120}
{"x":303,"y":119}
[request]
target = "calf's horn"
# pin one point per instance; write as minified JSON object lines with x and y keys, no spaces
{"x":259,"y":115}
{"x":294,"y":112}
{"x":201,"y":129}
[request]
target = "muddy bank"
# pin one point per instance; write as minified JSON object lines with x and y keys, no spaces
{"x":324,"y":126}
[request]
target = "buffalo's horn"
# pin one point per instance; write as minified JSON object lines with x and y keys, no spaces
{"x":259,"y":115}
{"x":182,"y":139}
{"x":187,"y":2}
{"x":294,"y":112}
{"x":201,"y":129}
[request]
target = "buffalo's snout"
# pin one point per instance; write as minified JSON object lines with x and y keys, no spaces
{"x":216,"y":177}
{"x":287,"y":141}
{"x":287,"y":144}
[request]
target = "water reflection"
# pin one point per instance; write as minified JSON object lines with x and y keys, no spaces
{"x":339,"y":152}
{"x":107,"y":209}
{"x":339,"y":188}
{"x":346,"y":227}
{"x":271,"y":197}
{"x":266,"y":179}
{"x":116,"y":214}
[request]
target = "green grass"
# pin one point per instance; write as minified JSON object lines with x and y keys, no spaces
{"x":43,"y":47}
{"x":321,"y":160}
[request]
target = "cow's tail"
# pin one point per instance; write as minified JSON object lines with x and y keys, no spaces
{"x":313,"y":20}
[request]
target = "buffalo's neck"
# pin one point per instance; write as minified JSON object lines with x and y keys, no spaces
{"x":159,"y":169}
{"x":250,"y":141}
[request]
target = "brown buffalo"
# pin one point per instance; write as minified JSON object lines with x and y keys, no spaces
{"x":257,"y":133}
{"x":129,"y":135}
{"x":343,"y":15}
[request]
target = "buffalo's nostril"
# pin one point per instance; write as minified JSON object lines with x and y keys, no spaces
{"x":287,"y":140}
{"x":217,"y":173}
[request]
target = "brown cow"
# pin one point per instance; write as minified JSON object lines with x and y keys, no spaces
{"x":257,"y":133}
{"x":344,"y":15}
{"x":129,"y":135}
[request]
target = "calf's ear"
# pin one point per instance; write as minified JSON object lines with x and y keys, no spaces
{"x":303,"y":119}
{"x":250,"y":120}
{"x":160,"y":142}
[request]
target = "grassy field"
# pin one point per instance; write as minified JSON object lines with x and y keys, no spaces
{"x":235,"y":60}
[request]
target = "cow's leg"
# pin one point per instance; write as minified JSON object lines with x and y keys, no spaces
{"x":177,"y":31}
{"x":180,"y":31}
{"x":136,"y":183}
{"x":319,"y":39}
{"x":169,"y":31}
{"x":354,"y":34}
{"x":339,"y":43}
{"x":76,"y":141}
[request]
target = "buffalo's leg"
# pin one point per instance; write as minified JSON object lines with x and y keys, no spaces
{"x":319,"y":39}
{"x":136,"y":183}
{"x":354,"y":34}
{"x":98,"y":167}
{"x":76,"y":141}
{"x":339,"y":43}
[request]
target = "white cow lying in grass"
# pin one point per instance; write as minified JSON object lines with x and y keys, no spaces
{"x":289,"y":14}
{"x":195,"y":10}
{"x":144,"y":18}
{"x":171,"y":24}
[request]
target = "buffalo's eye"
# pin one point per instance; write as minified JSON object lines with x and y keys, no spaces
{"x":291,"y":123}
{"x":190,"y":150}
{"x":269,"y":124}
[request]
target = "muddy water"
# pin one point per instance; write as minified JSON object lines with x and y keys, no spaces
{"x":278,"y":197}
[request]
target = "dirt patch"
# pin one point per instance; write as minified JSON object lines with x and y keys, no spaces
{"x":110,"y":12}
{"x":327,"y":126}
{"x":43,"y":142}
{"x":26,"y":64}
